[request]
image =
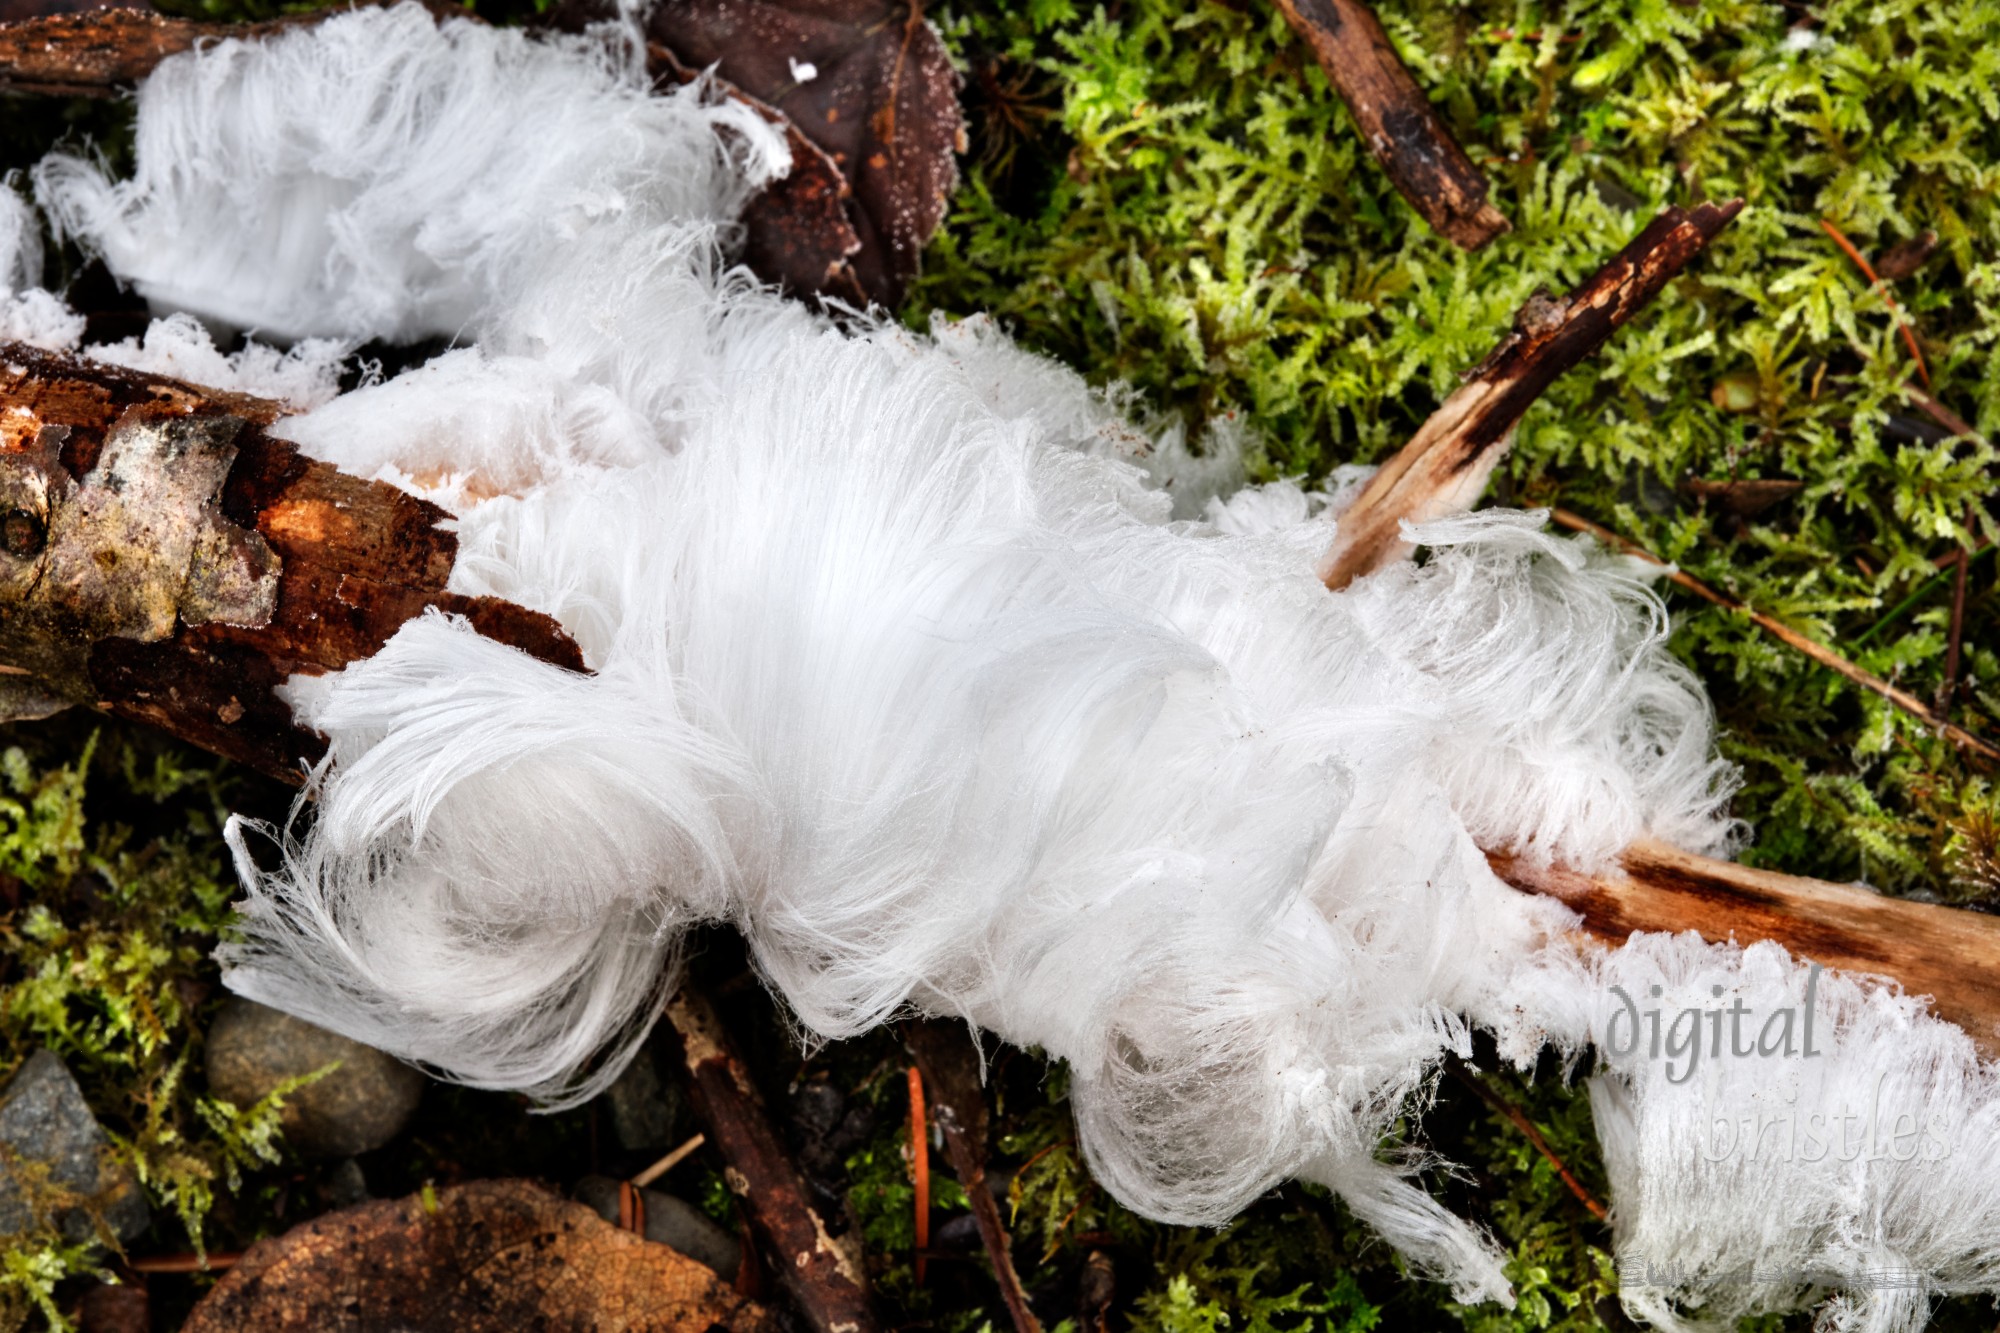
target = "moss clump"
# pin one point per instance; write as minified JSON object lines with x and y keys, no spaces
{"x":105,"y":934}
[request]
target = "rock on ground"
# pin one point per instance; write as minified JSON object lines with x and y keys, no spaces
{"x":55,"y":1159}
{"x":358,"y":1107}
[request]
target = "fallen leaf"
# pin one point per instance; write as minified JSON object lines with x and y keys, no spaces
{"x":796,"y":232}
{"x":1901,"y":260}
{"x":869,"y":82}
{"x":493,"y":1256}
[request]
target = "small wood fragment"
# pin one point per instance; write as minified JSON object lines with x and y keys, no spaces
{"x":1899,"y":261}
{"x":821,"y":1273}
{"x":1401,"y":130}
{"x":1445,"y":465}
{"x":669,"y":1162}
{"x":1742,"y":499}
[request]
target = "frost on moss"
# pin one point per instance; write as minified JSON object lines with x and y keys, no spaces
{"x":1170,"y":194}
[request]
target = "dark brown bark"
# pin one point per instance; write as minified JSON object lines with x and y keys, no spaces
{"x":1950,"y":955}
{"x":100,"y":52}
{"x":950,"y":1064}
{"x":821,"y":1273}
{"x":354,"y":560}
{"x":94,"y":53}
{"x":1397,"y":123}
{"x":1445,"y":465}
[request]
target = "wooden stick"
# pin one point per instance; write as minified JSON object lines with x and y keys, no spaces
{"x":216,"y":1262}
{"x":820,"y":1272}
{"x":102,"y":52}
{"x":951,"y":1066}
{"x":271,"y":563}
{"x":669,"y":1162}
{"x":1784,"y":633}
{"x":1445,"y":465}
{"x":1951,"y":955}
{"x":1396,"y":120}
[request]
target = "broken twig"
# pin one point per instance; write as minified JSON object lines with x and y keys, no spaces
{"x":669,"y":1162}
{"x":1445,"y":465}
{"x":822,"y":1273}
{"x":1819,"y":653}
{"x":1397,"y":123}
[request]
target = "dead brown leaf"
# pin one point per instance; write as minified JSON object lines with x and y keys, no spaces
{"x":868,"y":81}
{"x":493,"y":1256}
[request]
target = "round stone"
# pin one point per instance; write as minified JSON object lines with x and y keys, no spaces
{"x":358,"y":1107}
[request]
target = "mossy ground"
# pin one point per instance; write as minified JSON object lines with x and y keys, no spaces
{"x":1167,"y":193}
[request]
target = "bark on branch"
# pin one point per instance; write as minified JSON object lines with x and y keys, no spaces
{"x":165,"y":559}
{"x":1397,"y":123}
{"x":355,"y":559}
{"x":821,"y":1273}
{"x":1951,"y":955}
{"x":101,"y":52}
{"x":1445,"y":465}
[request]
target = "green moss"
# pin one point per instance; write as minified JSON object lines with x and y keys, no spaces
{"x":106,"y":934}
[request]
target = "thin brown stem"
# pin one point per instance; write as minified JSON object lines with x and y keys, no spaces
{"x":1784,"y":633}
{"x":186,"y":1263}
{"x":1515,"y":1116}
{"x":1955,"y":639}
{"x":1895,"y":311}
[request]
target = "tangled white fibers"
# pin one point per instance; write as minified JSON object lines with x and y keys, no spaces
{"x":900,"y":664}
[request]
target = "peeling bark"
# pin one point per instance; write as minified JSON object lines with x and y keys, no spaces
{"x":166,"y":560}
{"x":1445,"y":465}
{"x":1397,"y":123}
